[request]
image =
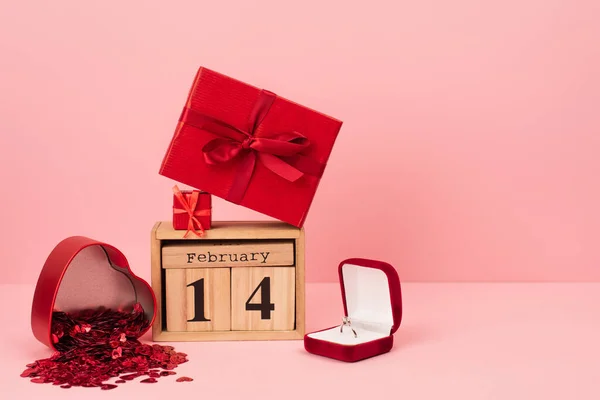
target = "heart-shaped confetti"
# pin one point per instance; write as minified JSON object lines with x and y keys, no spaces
{"x":95,"y":346}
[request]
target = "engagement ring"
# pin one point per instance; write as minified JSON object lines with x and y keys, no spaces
{"x":346,"y":322}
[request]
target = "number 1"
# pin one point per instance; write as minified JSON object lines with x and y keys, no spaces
{"x":198,"y":301}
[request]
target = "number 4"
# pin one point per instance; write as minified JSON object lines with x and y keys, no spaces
{"x":265,"y":306}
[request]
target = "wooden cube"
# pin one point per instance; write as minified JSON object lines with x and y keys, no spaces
{"x":199,"y":299}
{"x":262,"y":299}
{"x":240,"y":281}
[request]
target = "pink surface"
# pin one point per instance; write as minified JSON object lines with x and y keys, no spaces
{"x":469,"y":149}
{"x":465,"y":341}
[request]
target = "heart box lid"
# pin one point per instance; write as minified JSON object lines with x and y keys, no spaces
{"x":82,"y":273}
{"x":371,"y":294}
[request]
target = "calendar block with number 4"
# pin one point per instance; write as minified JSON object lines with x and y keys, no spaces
{"x":240,"y":281}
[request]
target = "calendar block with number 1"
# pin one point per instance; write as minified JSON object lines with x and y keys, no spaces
{"x":239,"y":281}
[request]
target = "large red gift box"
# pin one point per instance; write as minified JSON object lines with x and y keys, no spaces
{"x":373,"y":307}
{"x":250,"y":147}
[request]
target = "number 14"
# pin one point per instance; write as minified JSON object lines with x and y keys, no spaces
{"x":265,"y":306}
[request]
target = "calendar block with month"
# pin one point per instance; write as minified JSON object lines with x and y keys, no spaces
{"x":239,"y":281}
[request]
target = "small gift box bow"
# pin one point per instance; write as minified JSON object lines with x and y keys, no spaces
{"x":280,"y":152}
{"x":189,"y":207}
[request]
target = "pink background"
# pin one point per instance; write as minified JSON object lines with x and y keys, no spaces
{"x":469,"y":149}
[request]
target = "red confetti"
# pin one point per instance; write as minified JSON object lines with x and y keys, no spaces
{"x":28,"y":372}
{"x":129,"y":377}
{"x":116,"y":353}
{"x":184,"y":379}
{"x":95,"y":346}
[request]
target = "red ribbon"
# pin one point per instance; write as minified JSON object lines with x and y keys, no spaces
{"x":189,"y":207}
{"x":279,"y":152}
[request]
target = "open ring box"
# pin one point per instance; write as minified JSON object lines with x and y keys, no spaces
{"x":372,"y":301}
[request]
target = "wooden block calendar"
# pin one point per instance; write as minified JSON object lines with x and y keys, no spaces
{"x":239,"y":281}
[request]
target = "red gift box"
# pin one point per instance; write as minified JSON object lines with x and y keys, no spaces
{"x":372,"y":304}
{"x":191,"y":211}
{"x":250,"y":147}
{"x":84,"y":273}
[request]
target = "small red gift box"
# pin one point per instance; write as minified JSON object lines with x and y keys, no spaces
{"x":191,"y":211}
{"x":373,"y":312}
{"x":82,"y":273}
{"x":250,"y":147}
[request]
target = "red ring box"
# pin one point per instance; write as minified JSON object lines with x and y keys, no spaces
{"x":373,"y":302}
{"x":84,"y":273}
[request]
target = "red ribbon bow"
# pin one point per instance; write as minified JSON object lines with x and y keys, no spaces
{"x":189,"y":207}
{"x":279,"y":152}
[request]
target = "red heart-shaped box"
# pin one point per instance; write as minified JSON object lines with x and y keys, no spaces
{"x":373,"y":303}
{"x":84,"y":273}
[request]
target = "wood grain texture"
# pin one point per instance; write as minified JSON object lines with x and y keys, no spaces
{"x":246,"y":253}
{"x":164,"y":235}
{"x":156,"y":280}
{"x":181,"y":299}
{"x":233,"y":230}
{"x":300,"y":284}
{"x":244,"y":283}
{"x":165,"y":336}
